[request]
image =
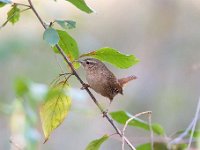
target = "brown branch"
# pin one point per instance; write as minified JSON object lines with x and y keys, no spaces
{"x":81,"y":81}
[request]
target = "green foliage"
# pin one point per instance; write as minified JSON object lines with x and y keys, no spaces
{"x":156,"y":146}
{"x":2,"y":4}
{"x":55,"y":106}
{"x":51,"y":36}
{"x":56,"y":102}
{"x":181,"y":146}
{"x":121,"y":117}
{"x":13,"y":15}
{"x":66,"y":24}
{"x":68,"y":45}
{"x":21,"y":121}
{"x":161,"y":146}
{"x":35,"y":92}
{"x":24,"y":107}
{"x":81,"y":5}
{"x":114,"y":57}
{"x":21,"y":86}
{"x":195,"y":135}
{"x":95,"y":144}
{"x":54,"y":109}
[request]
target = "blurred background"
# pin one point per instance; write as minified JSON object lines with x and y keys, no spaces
{"x":163,"y":34}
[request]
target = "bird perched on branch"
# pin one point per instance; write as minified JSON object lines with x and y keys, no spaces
{"x":102,"y":80}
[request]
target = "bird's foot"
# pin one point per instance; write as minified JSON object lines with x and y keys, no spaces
{"x":105,"y":113}
{"x":85,"y":85}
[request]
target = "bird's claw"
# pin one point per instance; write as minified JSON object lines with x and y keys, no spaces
{"x":85,"y":85}
{"x":105,"y":113}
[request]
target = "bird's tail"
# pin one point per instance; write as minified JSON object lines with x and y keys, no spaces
{"x":123,"y":81}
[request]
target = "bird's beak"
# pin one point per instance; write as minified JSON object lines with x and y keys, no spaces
{"x":79,"y":61}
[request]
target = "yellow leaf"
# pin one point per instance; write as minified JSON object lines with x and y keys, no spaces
{"x":54,"y":109}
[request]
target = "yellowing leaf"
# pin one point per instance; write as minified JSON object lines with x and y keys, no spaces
{"x":95,"y":144}
{"x":54,"y":110}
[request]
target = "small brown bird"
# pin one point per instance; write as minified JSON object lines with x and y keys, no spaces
{"x":102,"y":80}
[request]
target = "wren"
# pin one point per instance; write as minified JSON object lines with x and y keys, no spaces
{"x":102,"y":80}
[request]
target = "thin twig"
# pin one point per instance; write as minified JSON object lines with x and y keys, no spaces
{"x":112,"y":134}
{"x":64,"y":74}
{"x":151,"y":130}
{"x":127,"y":122}
{"x":57,"y":79}
{"x":194,"y":125}
{"x":54,"y":81}
{"x":15,"y":144}
{"x":68,"y":76}
{"x":59,"y":65}
{"x":191,"y":128}
{"x":20,"y":4}
{"x":182,"y":135}
{"x":81,"y":81}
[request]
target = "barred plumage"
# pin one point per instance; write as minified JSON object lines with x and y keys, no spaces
{"x":102,"y":80}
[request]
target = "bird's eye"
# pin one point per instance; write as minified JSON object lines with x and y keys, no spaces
{"x":87,"y":62}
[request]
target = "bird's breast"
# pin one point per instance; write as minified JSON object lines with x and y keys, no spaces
{"x":105,"y":85}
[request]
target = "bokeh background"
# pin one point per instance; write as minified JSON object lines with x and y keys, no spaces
{"x":163,"y":34}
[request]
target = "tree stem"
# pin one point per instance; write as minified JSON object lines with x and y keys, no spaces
{"x":81,"y":81}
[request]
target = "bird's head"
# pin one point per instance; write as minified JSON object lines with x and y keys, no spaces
{"x":91,"y":64}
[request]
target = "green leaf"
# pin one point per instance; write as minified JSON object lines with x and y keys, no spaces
{"x":54,"y":109}
{"x":67,"y":24}
{"x":161,"y":146}
{"x":69,"y":46}
{"x":21,"y":86}
{"x":195,"y":135}
{"x":121,"y":117}
{"x":114,"y":57}
{"x":51,"y":36}
{"x":156,"y":146}
{"x":95,"y":145}
{"x":81,"y":5}
{"x":2,"y":4}
{"x":35,"y":92}
{"x":14,"y":14}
